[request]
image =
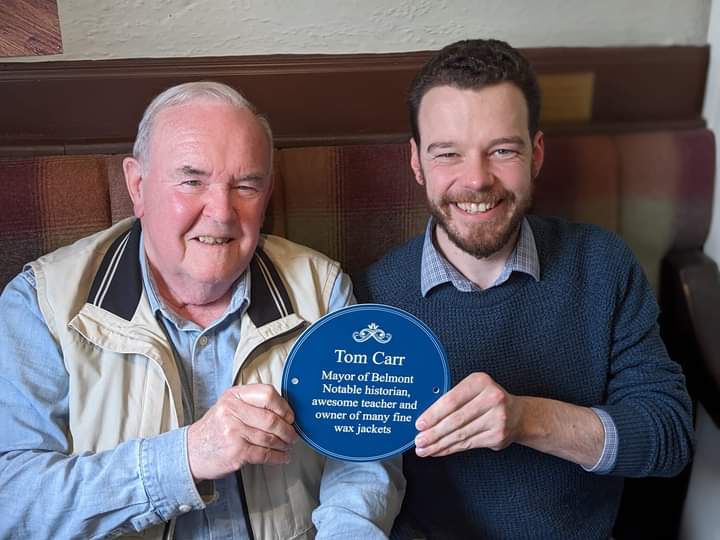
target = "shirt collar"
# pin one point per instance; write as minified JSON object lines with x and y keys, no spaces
{"x":436,"y":270}
{"x":239,"y":300}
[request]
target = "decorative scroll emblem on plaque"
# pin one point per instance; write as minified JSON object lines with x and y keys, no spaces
{"x":372,"y":331}
{"x":356,"y":394}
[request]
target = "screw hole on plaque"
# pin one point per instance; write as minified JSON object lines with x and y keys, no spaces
{"x":436,"y":390}
{"x":294,"y":380}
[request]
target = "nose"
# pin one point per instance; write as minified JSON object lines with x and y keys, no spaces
{"x":477,"y":174}
{"x":219,"y":204}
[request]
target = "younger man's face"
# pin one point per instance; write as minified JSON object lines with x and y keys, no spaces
{"x":477,"y":162}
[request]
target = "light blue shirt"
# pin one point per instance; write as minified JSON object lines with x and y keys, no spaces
{"x":436,"y":270}
{"x":47,"y":492}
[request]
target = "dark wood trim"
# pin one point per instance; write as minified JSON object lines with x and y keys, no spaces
{"x":82,"y":106}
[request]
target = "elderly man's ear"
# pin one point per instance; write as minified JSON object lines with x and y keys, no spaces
{"x":133,"y":181}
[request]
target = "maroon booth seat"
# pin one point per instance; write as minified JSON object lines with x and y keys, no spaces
{"x":655,"y":189}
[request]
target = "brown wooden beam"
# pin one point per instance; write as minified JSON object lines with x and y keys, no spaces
{"x":77,"y":106}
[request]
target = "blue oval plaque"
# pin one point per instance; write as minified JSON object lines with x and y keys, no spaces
{"x":358,"y":379}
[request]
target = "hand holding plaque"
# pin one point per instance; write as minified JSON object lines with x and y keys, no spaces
{"x":358,"y":378}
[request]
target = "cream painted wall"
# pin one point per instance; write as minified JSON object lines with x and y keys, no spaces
{"x":102,"y":29}
{"x":711,"y":111}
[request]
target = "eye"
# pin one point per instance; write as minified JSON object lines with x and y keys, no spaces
{"x":191,"y":183}
{"x":504,"y":152}
{"x":247,"y":185}
{"x":246,"y":188}
{"x":446,"y":155}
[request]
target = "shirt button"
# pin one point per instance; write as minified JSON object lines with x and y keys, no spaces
{"x":203,"y":341}
{"x":184,"y":508}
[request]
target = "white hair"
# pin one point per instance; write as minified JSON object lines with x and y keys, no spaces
{"x":185,"y":93}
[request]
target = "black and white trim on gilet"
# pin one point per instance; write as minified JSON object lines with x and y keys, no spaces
{"x":117,"y":286}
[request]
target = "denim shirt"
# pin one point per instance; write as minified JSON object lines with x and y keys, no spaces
{"x":141,"y":482}
{"x":436,"y":270}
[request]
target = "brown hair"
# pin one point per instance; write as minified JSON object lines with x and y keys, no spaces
{"x":470,"y":65}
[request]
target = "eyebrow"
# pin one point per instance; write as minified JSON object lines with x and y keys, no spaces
{"x":516,"y":140}
{"x":192,"y":171}
{"x":508,"y":140}
{"x":254,"y":177}
{"x":438,"y":146}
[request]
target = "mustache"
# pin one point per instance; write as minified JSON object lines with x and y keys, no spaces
{"x":489,"y":195}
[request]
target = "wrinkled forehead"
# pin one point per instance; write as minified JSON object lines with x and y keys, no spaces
{"x":203,"y":125}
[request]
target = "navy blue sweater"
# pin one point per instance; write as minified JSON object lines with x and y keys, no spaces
{"x":587,"y":334}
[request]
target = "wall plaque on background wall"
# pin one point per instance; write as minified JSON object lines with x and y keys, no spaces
{"x":29,"y":28}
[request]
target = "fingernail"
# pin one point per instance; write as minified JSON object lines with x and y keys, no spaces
{"x":420,"y":451}
{"x":419,"y":441}
{"x":421,"y":424}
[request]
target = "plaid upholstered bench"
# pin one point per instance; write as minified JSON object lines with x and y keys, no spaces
{"x":355,"y":202}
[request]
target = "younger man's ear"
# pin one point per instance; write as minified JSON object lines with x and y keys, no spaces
{"x":415,"y":162}
{"x":538,"y":154}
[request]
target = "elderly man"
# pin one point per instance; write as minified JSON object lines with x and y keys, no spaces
{"x":140,"y":365}
{"x":562,"y":385}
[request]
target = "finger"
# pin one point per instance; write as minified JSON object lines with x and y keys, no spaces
{"x":264,"y":428}
{"x":261,"y":419}
{"x":457,"y":397}
{"x":455,"y":426}
{"x":480,"y":440}
{"x":464,"y":437}
{"x":264,"y":396}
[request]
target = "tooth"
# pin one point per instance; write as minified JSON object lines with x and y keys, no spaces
{"x":474,"y":208}
{"x":211,"y":240}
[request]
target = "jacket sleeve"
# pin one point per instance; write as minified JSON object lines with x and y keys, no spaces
{"x":48,"y":490}
{"x":357,"y":500}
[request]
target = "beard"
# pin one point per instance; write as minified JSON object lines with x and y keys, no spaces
{"x":482,"y":240}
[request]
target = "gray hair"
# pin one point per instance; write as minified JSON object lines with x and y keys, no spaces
{"x":186,"y":93}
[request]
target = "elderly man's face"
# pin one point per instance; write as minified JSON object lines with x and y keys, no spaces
{"x":202,"y":197}
{"x":476,"y":161}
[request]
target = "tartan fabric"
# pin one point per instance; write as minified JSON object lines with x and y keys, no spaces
{"x":356,"y":202}
{"x":580,"y":180}
{"x":48,"y":202}
{"x":667,"y":193}
{"x":352,"y":203}
{"x":120,"y":202}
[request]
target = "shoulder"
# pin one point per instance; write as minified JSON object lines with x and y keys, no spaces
{"x":95,"y":244}
{"x":284,"y":251}
{"x":397,"y":271}
{"x":400,"y":257}
{"x":582,"y":239}
{"x":301,"y":267}
{"x":592,"y":257}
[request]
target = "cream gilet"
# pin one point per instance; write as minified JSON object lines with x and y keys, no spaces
{"x":123,"y":380}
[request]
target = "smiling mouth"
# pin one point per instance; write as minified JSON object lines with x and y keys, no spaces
{"x":476,"y":208}
{"x":212,"y":240}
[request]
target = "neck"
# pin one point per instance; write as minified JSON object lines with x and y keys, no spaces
{"x":482,"y":272}
{"x":202,"y":314}
{"x":199,"y":303}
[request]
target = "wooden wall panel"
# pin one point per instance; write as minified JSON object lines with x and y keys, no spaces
{"x":29,"y":28}
{"x":89,"y":106}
